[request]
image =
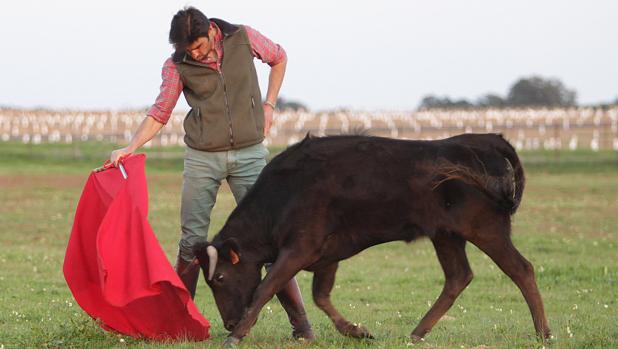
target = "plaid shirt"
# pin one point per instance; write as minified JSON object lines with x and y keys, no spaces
{"x":171,"y":87}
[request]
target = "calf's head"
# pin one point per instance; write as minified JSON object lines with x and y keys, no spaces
{"x":231,"y":278}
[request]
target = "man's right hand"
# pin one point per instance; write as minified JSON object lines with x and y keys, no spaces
{"x":147,"y":129}
{"x":118,"y":154}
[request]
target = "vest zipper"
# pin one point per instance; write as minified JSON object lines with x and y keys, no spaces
{"x":199,"y":117}
{"x":227,"y":107}
{"x":253,"y":113}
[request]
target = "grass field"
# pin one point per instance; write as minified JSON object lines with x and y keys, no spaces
{"x":567,"y":227}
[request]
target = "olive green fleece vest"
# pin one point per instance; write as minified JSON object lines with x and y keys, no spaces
{"x":226,"y":109}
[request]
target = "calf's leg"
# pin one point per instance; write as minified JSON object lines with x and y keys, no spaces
{"x":292,"y":301}
{"x":281,"y":272}
{"x":323,"y":282}
{"x":499,"y":247}
{"x":457,"y":273}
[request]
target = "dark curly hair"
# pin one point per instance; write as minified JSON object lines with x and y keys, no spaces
{"x":187,"y":26}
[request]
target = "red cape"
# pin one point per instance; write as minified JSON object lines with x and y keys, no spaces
{"x":116,"y":268}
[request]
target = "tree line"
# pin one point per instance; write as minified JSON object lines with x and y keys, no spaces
{"x":534,"y":91}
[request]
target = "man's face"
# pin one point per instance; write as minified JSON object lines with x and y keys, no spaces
{"x":199,"y":49}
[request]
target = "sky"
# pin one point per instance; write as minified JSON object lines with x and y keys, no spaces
{"x":363,"y":55}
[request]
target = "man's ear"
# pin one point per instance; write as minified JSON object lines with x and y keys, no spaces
{"x":210,"y":34}
{"x":231,"y":250}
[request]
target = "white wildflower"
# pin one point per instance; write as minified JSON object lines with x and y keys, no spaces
{"x":568,"y":329}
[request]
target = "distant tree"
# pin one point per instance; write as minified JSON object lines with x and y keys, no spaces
{"x":283,"y":104}
{"x":461,"y":104}
{"x":491,"y":101}
{"x":434,"y":102}
{"x":431,"y":101}
{"x":538,"y":91}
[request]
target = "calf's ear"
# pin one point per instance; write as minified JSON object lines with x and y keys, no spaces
{"x":231,"y":250}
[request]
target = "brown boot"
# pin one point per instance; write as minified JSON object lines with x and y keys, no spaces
{"x":292,"y":301}
{"x":188,"y":273}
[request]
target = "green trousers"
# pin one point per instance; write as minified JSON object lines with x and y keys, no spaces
{"x":202,"y":177}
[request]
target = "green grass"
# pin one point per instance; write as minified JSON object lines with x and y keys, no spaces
{"x":567,"y":227}
{"x":16,"y":157}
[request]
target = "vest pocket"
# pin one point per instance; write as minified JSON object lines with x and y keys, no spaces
{"x":194,"y":126}
{"x":258,"y":127}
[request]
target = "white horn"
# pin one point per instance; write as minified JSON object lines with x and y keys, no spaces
{"x":212,"y":261}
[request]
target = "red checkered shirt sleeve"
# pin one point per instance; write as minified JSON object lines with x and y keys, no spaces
{"x":265,"y":49}
{"x":170,"y":90}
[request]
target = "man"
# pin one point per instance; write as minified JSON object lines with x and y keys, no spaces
{"x":213,"y":66}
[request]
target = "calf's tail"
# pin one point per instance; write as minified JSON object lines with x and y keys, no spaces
{"x":516,"y":173}
{"x":505,"y":190}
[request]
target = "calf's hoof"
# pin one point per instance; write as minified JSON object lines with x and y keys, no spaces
{"x":303,"y":334}
{"x":415,"y":338}
{"x":546,"y":336}
{"x":301,"y":328}
{"x":231,"y":342}
{"x":356,"y":331}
